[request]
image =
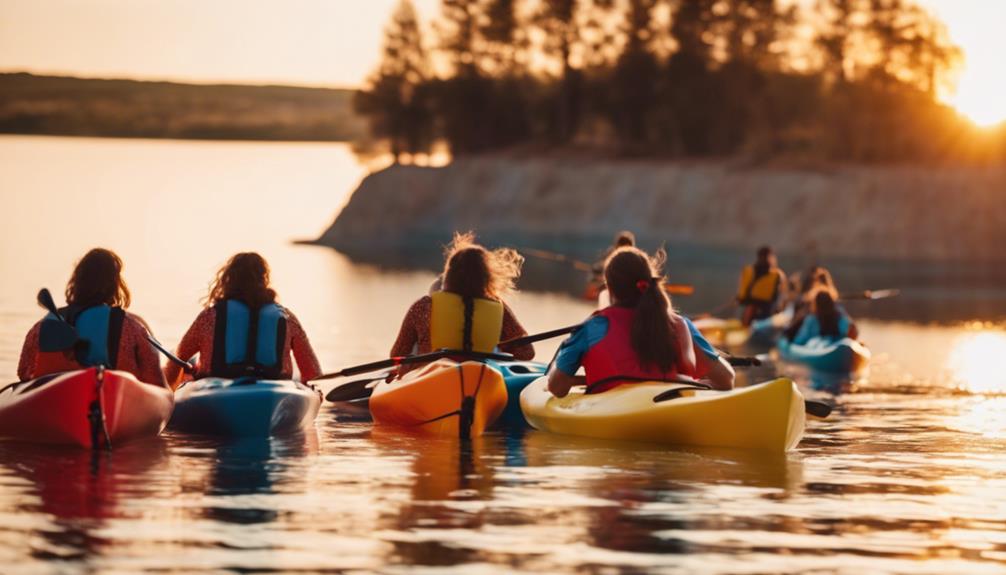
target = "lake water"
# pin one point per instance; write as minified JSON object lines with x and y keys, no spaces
{"x":907,"y":476}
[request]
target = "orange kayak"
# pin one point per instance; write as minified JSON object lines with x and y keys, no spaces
{"x":443,"y":398}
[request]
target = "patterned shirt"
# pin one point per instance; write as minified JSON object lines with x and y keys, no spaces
{"x":199,"y":340}
{"x":414,"y":336}
{"x":136,"y":355}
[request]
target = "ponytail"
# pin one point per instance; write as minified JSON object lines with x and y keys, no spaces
{"x":827,"y":313}
{"x":633,"y":280}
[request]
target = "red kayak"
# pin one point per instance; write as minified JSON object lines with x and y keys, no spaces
{"x":87,"y":408}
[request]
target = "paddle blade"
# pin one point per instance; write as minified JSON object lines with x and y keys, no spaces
{"x":817,"y":408}
{"x":45,"y":300}
{"x":353,"y":390}
{"x":679,"y":289}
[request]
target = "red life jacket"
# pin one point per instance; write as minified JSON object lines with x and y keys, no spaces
{"x":613,"y":355}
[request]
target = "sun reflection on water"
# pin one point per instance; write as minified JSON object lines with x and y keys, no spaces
{"x":973,"y":357}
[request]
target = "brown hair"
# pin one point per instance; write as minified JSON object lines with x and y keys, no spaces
{"x":471,"y":270}
{"x":245,"y":277}
{"x":826,"y":312}
{"x":634,"y":280}
{"x":97,"y":279}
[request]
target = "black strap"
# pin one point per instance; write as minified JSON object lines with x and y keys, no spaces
{"x":218,"y":362}
{"x":251,"y":363}
{"x":466,"y":342}
{"x":115,"y":320}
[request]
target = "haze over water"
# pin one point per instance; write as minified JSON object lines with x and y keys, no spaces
{"x":906,"y":476}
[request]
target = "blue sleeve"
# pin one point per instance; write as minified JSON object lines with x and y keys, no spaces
{"x":844,"y":323}
{"x":570,"y":355}
{"x":699,"y":340}
{"x":808,"y":329}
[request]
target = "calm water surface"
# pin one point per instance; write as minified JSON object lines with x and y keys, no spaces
{"x":908,"y":475}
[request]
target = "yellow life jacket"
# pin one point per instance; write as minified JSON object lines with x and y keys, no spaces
{"x":447,"y":323}
{"x":762,"y":289}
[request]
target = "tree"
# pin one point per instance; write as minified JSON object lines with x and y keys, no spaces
{"x":558,"y":21}
{"x":396,"y":101}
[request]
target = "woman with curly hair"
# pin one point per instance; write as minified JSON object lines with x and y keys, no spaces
{"x":243,"y":332}
{"x":465,"y":309}
{"x":108,"y":335}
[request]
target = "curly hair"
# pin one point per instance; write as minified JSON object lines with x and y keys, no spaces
{"x":473,"y":271}
{"x":245,"y":277}
{"x":97,"y":280}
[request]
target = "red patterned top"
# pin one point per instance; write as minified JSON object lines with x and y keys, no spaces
{"x":199,"y":340}
{"x":136,"y":355}
{"x":415,"y":332}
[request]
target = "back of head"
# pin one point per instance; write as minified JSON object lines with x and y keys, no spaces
{"x":625,"y":238}
{"x":765,"y":260}
{"x":471,"y":270}
{"x":633,"y":281}
{"x":97,"y":280}
{"x":245,"y":278}
{"x":826,"y":311}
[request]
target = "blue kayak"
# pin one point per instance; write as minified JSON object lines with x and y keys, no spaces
{"x":517,"y":375}
{"x":827,"y":355}
{"x":244,"y":407}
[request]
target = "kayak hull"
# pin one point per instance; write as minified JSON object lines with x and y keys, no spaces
{"x":431,"y":399}
{"x":245,"y":407}
{"x":843,"y":356}
{"x":517,"y":375}
{"x":58,"y":409}
{"x":769,"y":416}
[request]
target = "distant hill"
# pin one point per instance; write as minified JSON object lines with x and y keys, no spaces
{"x":51,"y":105}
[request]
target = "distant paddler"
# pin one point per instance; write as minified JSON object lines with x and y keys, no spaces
{"x":763,"y":287}
{"x":595,"y":285}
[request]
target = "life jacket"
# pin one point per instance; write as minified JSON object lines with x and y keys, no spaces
{"x":465,"y":323}
{"x":613,"y":355}
{"x":760,"y":289}
{"x":246,"y":343}
{"x":89,"y":337}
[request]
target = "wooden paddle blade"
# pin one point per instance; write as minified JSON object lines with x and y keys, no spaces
{"x":353,"y":390}
{"x":817,"y":408}
{"x":679,"y":289}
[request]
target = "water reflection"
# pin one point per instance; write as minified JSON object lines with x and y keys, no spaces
{"x":972,"y":360}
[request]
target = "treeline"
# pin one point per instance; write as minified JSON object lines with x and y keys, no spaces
{"x":834,"y":80}
{"x":53,"y":105}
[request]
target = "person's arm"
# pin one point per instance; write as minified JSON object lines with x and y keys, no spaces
{"x":710,"y":367}
{"x":562,"y":375}
{"x":303,"y":353}
{"x":189,"y":346}
{"x":418,"y":317}
{"x":29,"y":353}
{"x":512,"y":329}
{"x":853,"y":331}
{"x":148,"y":361}
{"x":559,"y":383}
{"x":808,"y":329}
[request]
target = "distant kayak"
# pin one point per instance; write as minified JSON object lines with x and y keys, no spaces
{"x":86,"y":408}
{"x":245,"y":407}
{"x":442,"y":398}
{"x":822,"y":354}
{"x":767,"y":416}
{"x":732,"y":333}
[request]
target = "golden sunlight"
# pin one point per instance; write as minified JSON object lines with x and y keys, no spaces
{"x":977,"y":27}
{"x":974,"y":360}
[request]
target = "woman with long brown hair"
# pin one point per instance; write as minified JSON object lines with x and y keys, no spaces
{"x":827,"y":319}
{"x":243,"y":331}
{"x":96,"y":300}
{"x":466,"y":310}
{"x":638,"y":336}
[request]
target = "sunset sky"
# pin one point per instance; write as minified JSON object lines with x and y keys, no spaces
{"x":329,"y":42}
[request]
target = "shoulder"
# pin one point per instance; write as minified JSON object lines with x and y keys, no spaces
{"x":425,"y":302}
{"x":134,"y":321}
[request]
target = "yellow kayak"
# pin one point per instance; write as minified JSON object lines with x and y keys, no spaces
{"x":767,"y":416}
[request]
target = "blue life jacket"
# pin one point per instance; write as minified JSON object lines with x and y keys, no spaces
{"x":246,"y":343}
{"x":93,"y":338}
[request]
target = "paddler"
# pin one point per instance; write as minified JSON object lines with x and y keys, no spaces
{"x":762,"y":287}
{"x":813,"y":279}
{"x":638,"y":336}
{"x":104,"y":333}
{"x":466,"y":309}
{"x":243,"y":331}
{"x":827,"y":320}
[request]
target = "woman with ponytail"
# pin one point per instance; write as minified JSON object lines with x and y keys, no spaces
{"x":465,"y":309}
{"x":638,"y":336}
{"x":827,"y":320}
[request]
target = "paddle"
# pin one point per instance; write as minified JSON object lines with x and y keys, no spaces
{"x":872,"y":295}
{"x":557,"y":257}
{"x":186,"y":366}
{"x":360,"y":388}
